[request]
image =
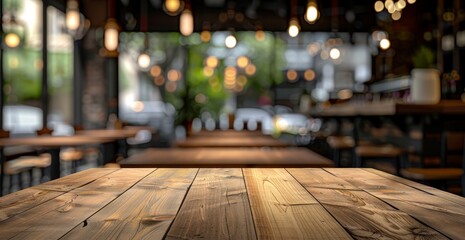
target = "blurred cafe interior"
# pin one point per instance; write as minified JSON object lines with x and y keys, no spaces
{"x":355,"y":84}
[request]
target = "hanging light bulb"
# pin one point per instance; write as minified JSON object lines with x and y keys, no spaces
{"x":186,"y":23}
{"x":73,"y":16}
{"x":14,"y":32}
{"x":143,"y":60}
{"x":230,"y":41}
{"x":173,"y":7}
{"x":312,"y":14}
{"x":294,"y":27}
{"x":111,"y":35}
{"x":384,"y":44}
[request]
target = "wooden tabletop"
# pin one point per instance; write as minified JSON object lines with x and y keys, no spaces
{"x":226,"y":157}
{"x":387,"y":108}
{"x":51,"y":141}
{"x":256,"y":141}
{"x":231,"y":203}
{"x":111,"y":134}
{"x":227,"y":134}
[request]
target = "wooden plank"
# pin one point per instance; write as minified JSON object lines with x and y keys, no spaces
{"x":283,"y":209}
{"x":56,"y":217}
{"x":216,"y":207}
{"x":319,"y":178}
{"x":449,"y":217}
{"x":28,"y":198}
{"x":67,"y":183}
{"x":434,"y":191}
{"x":130,"y":218}
{"x":361,"y":214}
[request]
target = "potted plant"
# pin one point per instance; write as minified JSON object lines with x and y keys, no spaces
{"x":425,"y":85}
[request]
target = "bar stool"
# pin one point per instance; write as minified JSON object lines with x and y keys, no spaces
{"x":364,"y":152}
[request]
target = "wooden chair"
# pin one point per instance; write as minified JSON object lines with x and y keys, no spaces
{"x":452,"y":163}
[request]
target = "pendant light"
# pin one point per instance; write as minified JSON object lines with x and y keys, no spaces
{"x":173,"y":7}
{"x":76,"y":23}
{"x":143,"y":60}
{"x":294,"y":27}
{"x":186,"y":21}
{"x":14,"y":31}
{"x":111,"y":32}
{"x":311,"y":13}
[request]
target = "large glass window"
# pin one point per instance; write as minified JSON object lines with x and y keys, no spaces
{"x":23,"y":68}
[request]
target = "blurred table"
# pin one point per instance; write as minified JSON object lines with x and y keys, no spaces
{"x":231,"y":203}
{"x":226,"y":157}
{"x":246,"y":141}
{"x":227,"y":134}
{"x":52,"y":144}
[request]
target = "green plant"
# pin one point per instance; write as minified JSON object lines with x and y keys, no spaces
{"x":424,"y":57}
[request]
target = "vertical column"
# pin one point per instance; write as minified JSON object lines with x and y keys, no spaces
{"x":77,"y":85}
{"x":44,"y":96}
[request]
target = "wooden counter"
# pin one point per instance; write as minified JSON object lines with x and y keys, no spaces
{"x":445,"y":107}
{"x":231,"y":203}
{"x":226,"y":157}
{"x":222,"y":142}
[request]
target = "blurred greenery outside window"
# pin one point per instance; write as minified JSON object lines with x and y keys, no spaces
{"x":23,"y":65}
{"x":203,"y":90}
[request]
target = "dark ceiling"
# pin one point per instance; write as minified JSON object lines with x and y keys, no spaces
{"x":271,"y":15}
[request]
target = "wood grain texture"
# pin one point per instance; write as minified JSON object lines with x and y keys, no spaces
{"x":283,"y":209}
{"x":28,"y":198}
{"x":319,"y":178}
{"x":73,"y":181}
{"x":361,"y":214}
{"x":434,"y":191}
{"x":143,"y":212}
{"x":54,"y":218}
{"x":441,"y":214}
{"x":216,"y":207}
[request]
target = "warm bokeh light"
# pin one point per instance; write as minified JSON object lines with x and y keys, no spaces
{"x":309,"y":75}
{"x":401,"y":4}
{"x":171,"y":87}
{"x":260,"y":35}
{"x":250,"y":69}
{"x":384,"y":44}
{"x":324,"y":55}
{"x":73,"y":17}
{"x":242,"y":61}
{"x":137,"y":106}
{"x":174,"y":75}
{"x":242,"y":80}
{"x":205,"y":36}
{"x":111,"y":35}
{"x":294,"y":27}
{"x":396,"y":15}
{"x":155,"y":71}
{"x":334,"y":53}
{"x":311,"y":14}
{"x":172,"y":7}
{"x":160,"y":80}
{"x":200,"y":98}
{"x":208,"y":71}
{"x":411,"y":1}
{"x":186,"y":23}
{"x":211,"y":62}
{"x":379,"y":6}
{"x":230,"y":41}
{"x":12,"y":40}
{"x":345,"y":94}
{"x":143,"y":60}
{"x":291,"y":75}
{"x":313,"y":48}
